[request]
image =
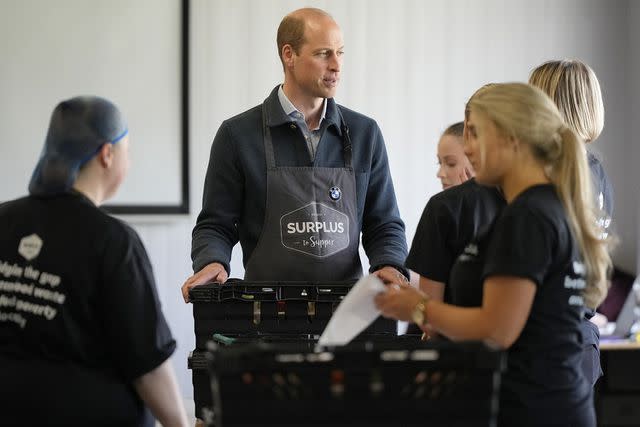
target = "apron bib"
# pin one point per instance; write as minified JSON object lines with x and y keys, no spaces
{"x":310,"y":230}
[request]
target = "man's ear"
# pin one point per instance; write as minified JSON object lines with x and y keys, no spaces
{"x":287,"y":55}
{"x":105,"y":155}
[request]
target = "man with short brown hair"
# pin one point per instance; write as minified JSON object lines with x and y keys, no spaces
{"x":298,"y":178}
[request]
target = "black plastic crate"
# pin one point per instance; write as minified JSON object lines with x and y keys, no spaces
{"x":397,"y":382}
{"x":243,"y":307}
{"x":197,"y":361}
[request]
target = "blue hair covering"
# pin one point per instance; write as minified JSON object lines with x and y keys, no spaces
{"x":79,"y":127}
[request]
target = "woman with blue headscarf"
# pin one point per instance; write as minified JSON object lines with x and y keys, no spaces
{"x":82,"y":335}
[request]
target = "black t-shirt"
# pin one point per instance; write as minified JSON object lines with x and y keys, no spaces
{"x":77,"y":302}
{"x":451,"y":219}
{"x":602,"y":186}
{"x":603,"y":192}
{"x":531,"y":239}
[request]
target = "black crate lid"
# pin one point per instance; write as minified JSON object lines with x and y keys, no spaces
{"x":250,"y":291}
{"x":272,"y":355}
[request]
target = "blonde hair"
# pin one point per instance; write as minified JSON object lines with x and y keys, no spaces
{"x":525,"y":112}
{"x":575,"y":89}
{"x":467,"y":107}
{"x":467,"y":111}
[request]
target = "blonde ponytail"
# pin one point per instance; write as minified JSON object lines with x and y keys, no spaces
{"x":571,"y":177}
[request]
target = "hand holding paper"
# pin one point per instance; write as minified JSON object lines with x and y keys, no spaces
{"x":354,"y":314}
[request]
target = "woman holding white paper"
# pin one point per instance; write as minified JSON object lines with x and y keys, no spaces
{"x":534,"y":269}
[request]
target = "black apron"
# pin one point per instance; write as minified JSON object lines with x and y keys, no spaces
{"x":310,"y":230}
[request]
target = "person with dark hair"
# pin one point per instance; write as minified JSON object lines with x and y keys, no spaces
{"x":82,"y":335}
{"x":525,"y":280}
{"x":299,"y":179}
{"x":453,"y":166}
{"x":449,"y":221}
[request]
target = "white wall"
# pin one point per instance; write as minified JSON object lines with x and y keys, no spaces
{"x":410,"y":64}
{"x":413,"y":64}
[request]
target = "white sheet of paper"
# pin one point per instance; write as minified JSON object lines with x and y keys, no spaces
{"x":354,"y":314}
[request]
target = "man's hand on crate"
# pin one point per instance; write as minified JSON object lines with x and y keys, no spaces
{"x":213,"y":272}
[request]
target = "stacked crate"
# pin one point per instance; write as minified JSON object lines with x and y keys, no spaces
{"x":395,"y":383}
{"x":280,"y":313}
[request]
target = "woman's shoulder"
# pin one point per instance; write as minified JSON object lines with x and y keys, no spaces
{"x":97,"y":221}
{"x":468,"y":195}
{"x":537,"y":206}
{"x":536,"y":197}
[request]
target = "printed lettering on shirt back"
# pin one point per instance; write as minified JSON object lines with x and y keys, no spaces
{"x":576,"y":282}
{"x":25,"y":291}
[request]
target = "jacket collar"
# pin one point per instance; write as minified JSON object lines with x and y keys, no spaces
{"x":276,"y":115}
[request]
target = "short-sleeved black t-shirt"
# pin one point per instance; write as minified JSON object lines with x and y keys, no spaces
{"x":601,"y":185}
{"x":531,"y":239}
{"x":80,"y":318}
{"x":603,"y":192}
{"x":451,"y":219}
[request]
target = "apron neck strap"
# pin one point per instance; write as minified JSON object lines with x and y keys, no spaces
{"x":346,"y":140}
{"x":268,"y":141}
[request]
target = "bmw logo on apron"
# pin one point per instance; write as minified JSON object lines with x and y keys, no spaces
{"x":335,"y":193}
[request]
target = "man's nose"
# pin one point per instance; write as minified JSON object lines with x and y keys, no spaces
{"x":336,"y":62}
